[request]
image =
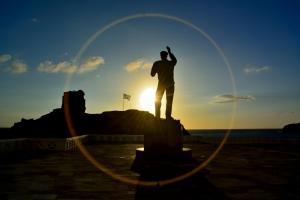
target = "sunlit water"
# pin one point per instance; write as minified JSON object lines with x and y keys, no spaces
{"x":266,"y":133}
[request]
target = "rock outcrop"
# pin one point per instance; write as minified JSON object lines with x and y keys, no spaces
{"x":291,"y":129}
{"x":54,"y":124}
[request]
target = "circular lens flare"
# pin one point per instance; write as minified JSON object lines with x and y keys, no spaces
{"x":110,"y":172}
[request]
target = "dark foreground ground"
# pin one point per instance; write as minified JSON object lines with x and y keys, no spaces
{"x":238,"y":172}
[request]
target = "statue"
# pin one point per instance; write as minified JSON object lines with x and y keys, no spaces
{"x":164,"y":142}
{"x":164,"y":68}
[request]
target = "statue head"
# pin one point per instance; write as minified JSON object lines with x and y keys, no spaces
{"x":163,"y":55}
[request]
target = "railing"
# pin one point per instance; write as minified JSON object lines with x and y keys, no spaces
{"x":70,"y":144}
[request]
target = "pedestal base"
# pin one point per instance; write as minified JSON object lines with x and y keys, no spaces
{"x":185,"y":153}
{"x":154,"y":162}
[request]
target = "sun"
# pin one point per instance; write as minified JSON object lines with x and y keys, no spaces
{"x":147,"y":99}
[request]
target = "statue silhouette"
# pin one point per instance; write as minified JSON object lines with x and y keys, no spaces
{"x":165,"y":70}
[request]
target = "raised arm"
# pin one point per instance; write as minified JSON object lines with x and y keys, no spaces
{"x":173,"y":58}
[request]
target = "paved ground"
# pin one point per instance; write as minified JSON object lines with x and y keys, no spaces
{"x":238,"y":172}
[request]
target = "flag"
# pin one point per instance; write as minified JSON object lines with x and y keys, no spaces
{"x":126,"y":96}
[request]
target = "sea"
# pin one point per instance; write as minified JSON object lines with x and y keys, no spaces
{"x":247,"y":133}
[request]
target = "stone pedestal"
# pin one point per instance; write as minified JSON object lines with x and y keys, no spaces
{"x":163,"y":147}
{"x":165,"y":138}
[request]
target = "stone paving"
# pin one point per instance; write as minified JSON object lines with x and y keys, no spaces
{"x":238,"y":172}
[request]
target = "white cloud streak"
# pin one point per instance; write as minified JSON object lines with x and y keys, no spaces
{"x":228,"y":98}
{"x":5,"y":58}
{"x":256,"y":70}
{"x":18,"y":67}
{"x":137,"y":65}
{"x":63,"y":67}
{"x":284,"y":113}
{"x":88,"y":65}
{"x":12,"y":65}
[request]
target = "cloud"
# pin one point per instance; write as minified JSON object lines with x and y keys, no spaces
{"x":4,"y":58}
{"x":88,"y":65}
{"x":12,"y":65}
{"x":147,"y":65}
{"x":284,"y":113}
{"x":134,"y":65}
{"x":255,"y":70}
{"x":50,"y":67}
{"x":137,"y":64}
{"x":228,"y":98}
{"x":18,"y":67}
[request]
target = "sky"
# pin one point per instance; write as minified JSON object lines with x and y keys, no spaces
{"x":40,"y":41}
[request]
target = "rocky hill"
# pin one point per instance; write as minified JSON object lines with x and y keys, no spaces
{"x":54,"y":124}
{"x":291,"y":129}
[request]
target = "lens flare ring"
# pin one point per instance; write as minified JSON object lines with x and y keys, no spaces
{"x":110,"y":172}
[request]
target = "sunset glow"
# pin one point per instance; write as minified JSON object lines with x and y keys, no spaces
{"x":147,"y":99}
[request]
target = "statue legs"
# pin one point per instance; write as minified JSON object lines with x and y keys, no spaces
{"x":169,"y":96}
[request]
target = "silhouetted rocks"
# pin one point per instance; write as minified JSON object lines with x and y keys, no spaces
{"x":74,"y":101}
{"x":50,"y":125}
{"x":291,"y":128}
{"x":54,"y":124}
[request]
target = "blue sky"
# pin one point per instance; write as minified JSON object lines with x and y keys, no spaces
{"x":261,"y":40}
